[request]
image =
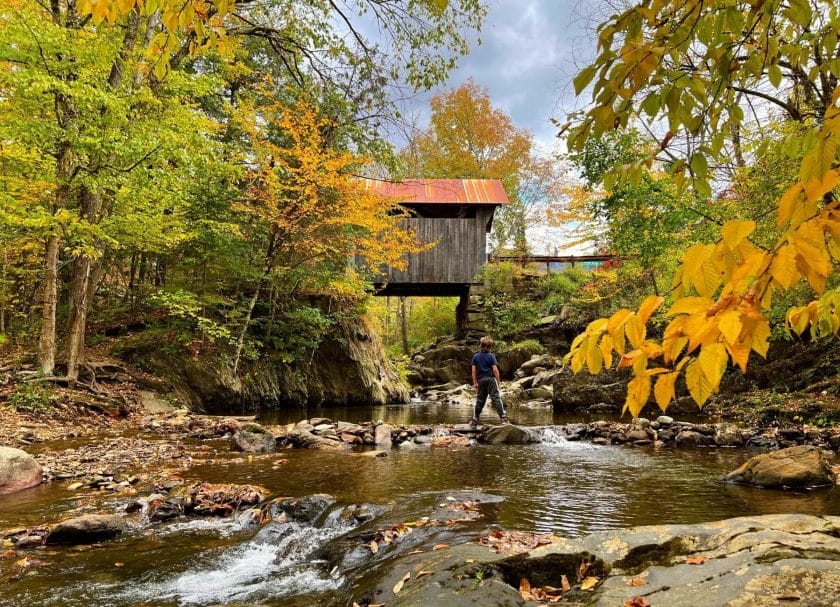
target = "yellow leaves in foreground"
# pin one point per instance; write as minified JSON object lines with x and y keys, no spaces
{"x":716,"y":318}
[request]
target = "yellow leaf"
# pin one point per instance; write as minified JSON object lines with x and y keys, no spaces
{"x":783,"y":266}
{"x":740,"y":353}
{"x":713,"y":359}
{"x":789,"y":200}
{"x":663,"y":391}
{"x":594,"y":361}
{"x":635,"y":331}
{"x":698,"y":386}
{"x":374,"y":547}
{"x":578,"y":360}
{"x":761,"y":337}
{"x":589,"y":583}
{"x":617,"y":319}
{"x":649,"y":306}
{"x":606,"y":350}
{"x":690,"y":305}
{"x":817,"y":188}
{"x":730,"y":325}
{"x":735,"y":231}
{"x":694,"y":258}
{"x":638,"y":391}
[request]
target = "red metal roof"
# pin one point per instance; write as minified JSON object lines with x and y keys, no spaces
{"x":442,"y":191}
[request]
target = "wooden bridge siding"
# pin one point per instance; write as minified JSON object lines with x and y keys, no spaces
{"x":456,"y":258}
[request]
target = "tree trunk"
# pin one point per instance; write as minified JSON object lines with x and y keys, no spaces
{"x":79,"y":291}
{"x":403,"y":327}
{"x":46,"y":345}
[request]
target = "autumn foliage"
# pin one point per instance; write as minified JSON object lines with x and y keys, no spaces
{"x":689,"y":67}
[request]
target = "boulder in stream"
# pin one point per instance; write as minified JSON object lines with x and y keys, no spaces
{"x":253,"y":438}
{"x":801,"y":466}
{"x":508,"y":434}
{"x":18,"y":470}
{"x":87,"y":529}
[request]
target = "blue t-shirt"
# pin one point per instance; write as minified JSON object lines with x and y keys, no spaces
{"x":484,"y":362}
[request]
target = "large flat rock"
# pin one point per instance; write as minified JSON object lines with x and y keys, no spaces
{"x":753,"y":561}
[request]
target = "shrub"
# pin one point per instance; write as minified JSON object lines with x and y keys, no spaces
{"x":29,"y":398}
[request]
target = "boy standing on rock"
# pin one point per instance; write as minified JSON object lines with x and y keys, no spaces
{"x":485,"y":377}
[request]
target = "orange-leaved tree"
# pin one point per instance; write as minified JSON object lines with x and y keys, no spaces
{"x":315,"y":213}
{"x":701,"y":71}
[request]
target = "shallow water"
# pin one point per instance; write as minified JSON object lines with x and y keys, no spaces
{"x":569,"y":488}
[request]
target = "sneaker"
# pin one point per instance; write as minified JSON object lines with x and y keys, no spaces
{"x":474,"y":422}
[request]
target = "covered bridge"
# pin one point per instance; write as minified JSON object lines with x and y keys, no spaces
{"x":456,"y":215}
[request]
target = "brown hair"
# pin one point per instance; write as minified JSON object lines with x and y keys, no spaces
{"x":486,"y":343}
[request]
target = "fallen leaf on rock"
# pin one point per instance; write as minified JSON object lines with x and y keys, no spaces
{"x":440,"y":546}
{"x":513,"y":542}
{"x":696,"y":560}
{"x":525,"y":590}
{"x":637,"y":581}
{"x":8,"y":554}
{"x":637,"y":601}
{"x":374,"y":547}
{"x":564,"y":582}
{"x":589,"y":583}
{"x":583,"y":570}
{"x":399,"y":585}
{"x":119,"y":564}
{"x":422,"y":574}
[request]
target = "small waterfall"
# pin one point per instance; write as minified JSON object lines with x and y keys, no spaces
{"x":276,"y":562}
{"x":551,"y":435}
{"x":555,"y":437}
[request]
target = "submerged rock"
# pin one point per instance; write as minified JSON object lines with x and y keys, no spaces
{"x":18,"y":470}
{"x":87,"y":529}
{"x":801,"y":466}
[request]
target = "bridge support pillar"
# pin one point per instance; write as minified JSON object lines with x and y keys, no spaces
{"x":470,"y":314}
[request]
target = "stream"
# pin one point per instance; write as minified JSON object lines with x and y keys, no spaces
{"x":557,"y":486}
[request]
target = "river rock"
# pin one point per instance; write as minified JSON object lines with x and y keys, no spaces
{"x":540,"y":393}
{"x":801,"y":466}
{"x":508,"y":434}
{"x":301,"y":509}
{"x":382,"y":435}
{"x":305,"y":439}
{"x":758,"y":561}
{"x":18,"y":470}
{"x":728,"y":435}
{"x":87,"y":529}
{"x":253,"y":438}
{"x":578,"y":392}
{"x":692,"y":438}
{"x":513,"y":357}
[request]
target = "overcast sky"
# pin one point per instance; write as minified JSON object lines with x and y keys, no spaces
{"x":527,"y":57}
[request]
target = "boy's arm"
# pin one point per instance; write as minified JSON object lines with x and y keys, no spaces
{"x":475,"y":376}
{"x":496,"y":373}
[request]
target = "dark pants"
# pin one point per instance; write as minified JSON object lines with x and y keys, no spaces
{"x":488,"y":386}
